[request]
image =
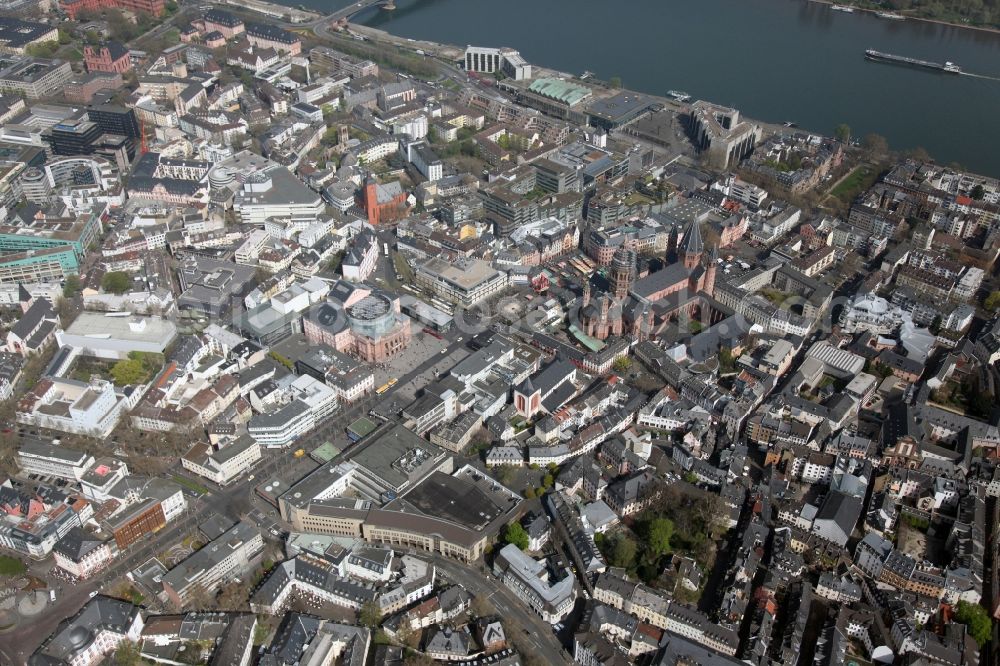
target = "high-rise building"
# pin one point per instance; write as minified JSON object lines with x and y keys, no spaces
{"x":74,"y":136}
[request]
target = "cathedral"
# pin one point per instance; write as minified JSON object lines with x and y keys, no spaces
{"x":629,"y":305}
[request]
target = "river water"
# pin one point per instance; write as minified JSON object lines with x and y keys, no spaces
{"x":775,"y":60}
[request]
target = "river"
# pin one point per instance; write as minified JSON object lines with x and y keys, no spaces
{"x":775,"y":60}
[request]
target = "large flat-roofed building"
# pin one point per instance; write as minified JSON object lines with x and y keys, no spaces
{"x":837,"y":362}
{"x":113,"y":336}
{"x":212,"y":286}
{"x":337,"y":61}
{"x":222,"y":465}
{"x":47,"y":233}
{"x":621,"y":109}
{"x":276,"y":192}
{"x":67,"y":405}
{"x":52,"y":460}
{"x":34,"y":77}
{"x":721,"y":135}
{"x":407,"y":529}
{"x":552,"y":96}
{"x":396,"y":460}
{"x":488,"y":60}
{"x":398,"y":489}
{"x":230,"y":556}
{"x":530,"y":581}
{"x":17,"y":35}
{"x":311,"y":403}
{"x":464,"y":282}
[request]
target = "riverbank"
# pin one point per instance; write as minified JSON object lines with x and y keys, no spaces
{"x":561,"y":37}
{"x":451,"y":53}
{"x":909,"y":17}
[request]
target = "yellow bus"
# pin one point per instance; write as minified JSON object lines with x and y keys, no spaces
{"x":385,"y":387}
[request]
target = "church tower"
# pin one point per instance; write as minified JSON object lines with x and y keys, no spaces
{"x":623,"y":268}
{"x":692,"y":247}
{"x":586,"y":292}
{"x":713,"y":263}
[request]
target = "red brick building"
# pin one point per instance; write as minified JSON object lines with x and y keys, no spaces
{"x":108,"y":57}
{"x":145,"y":518}
{"x":74,"y":7}
{"x":382,"y":203}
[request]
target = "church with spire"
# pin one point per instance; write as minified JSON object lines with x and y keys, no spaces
{"x":630,"y":302}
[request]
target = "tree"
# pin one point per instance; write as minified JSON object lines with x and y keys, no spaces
{"x":64,"y":36}
{"x":283,"y":360}
{"x":116,"y":282}
{"x":977,"y":193}
{"x":615,"y":82}
{"x":128,"y":371}
{"x":623,"y":550}
{"x":127,"y":654}
{"x":842,"y":132}
{"x":233,"y":597}
{"x":370,"y":614}
{"x":515,"y":535}
{"x":71,"y":286}
{"x":918,"y":154}
{"x":875,"y":145}
{"x":622,"y":364}
{"x":42,"y":49}
{"x":976,"y":620}
{"x":335,"y":262}
{"x":482,"y":607}
{"x":506,"y":474}
{"x":992,"y":302}
{"x":658,"y":534}
{"x":726,"y":361}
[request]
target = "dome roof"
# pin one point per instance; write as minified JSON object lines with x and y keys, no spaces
{"x":79,"y":636}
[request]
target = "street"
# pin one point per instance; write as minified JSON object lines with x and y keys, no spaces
{"x":538,"y":633}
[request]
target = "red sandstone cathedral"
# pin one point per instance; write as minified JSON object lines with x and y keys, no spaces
{"x":632,"y":301}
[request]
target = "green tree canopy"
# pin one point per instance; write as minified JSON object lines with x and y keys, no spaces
{"x":116,"y":282}
{"x":992,"y":302}
{"x":978,"y":192}
{"x":71,"y":286}
{"x":127,"y":654}
{"x":842,"y":132}
{"x":623,"y":551}
{"x":128,"y":371}
{"x":42,"y":49}
{"x":370,"y":615}
{"x":976,"y":620}
{"x":514,"y":534}
{"x":658,"y":534}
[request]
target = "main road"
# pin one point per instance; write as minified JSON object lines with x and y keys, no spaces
{"x":537,"y":634}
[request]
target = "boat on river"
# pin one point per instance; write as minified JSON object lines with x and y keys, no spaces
{"x":947,"y":66}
